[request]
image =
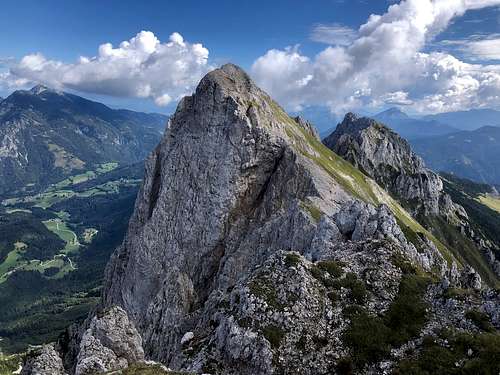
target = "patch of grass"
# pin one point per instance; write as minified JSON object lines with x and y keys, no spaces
{"x":313,"y":211}
{"x":481,"y":320}
{"x":490,"y":201}
{"x":292,"y":260}
{"x":349,"y":177}
{"x":60,"y":228}
{"x":372,"y":337}
{"x":463,"y":354}
{"x":9,"y":364}
{"x":463,"y":249}
{"x":274,"y":335}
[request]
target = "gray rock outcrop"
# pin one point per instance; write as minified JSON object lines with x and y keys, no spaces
{"x":44,"y":361}
{"x":385,"y":156}
{"x":251,"y":246}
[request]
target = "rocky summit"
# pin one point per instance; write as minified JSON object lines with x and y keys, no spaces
{"x":389,"y":159}
{"x":255,"y":249}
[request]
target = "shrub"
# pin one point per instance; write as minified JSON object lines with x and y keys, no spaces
{"x":274,"y":335}
{"x":481,"y":320}
{"x":407,"y":314}
{"x":292,"y":260}
{"x":367,"y":337}
{"x":332,"y":267}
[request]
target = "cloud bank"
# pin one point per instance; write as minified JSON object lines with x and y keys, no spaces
{"x":141,"y":67}
{"x":385,"y":64}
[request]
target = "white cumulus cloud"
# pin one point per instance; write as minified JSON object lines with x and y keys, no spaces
{"x":385,"y":63}
{"x":335,"y":34}
{"x":142,"y":67}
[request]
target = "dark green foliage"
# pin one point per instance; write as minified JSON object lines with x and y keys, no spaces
{"x":318,"y":273}
{"x":357,"y":287}
{"x":80,"y":130}
{"x":457,"y":293}
{"x":367,"y":336}
{"x":372,"y":337}
{"x":274,"y":335}
{"x":34,"y":309}
{"x":475,"y":354}
{"x":292,"y":260}
{"x":345,"y":366}
{"x":407,"y":314}
{"x":332,"y":296}
{"x":481,"y":320}
{"x":26,"y":228}
{"x":332,"y":267}
{"x":302,"y":343}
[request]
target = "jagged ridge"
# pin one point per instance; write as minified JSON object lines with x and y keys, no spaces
{"x":249,"y":245}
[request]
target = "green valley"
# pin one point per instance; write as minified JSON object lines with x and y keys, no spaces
{"x":53,"y":249}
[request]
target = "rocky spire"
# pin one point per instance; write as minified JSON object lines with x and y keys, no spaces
{"x":389,"y":159}
{"x":219,"y":270}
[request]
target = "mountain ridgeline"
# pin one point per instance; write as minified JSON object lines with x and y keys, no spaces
{"x":255,"y":249}
{"x":46,"y":135}
{"x":471,"y":154}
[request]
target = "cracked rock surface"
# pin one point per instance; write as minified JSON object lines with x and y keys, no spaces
{"x":250,"y":250}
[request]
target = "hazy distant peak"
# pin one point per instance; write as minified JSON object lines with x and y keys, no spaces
{"x":393,"y":113}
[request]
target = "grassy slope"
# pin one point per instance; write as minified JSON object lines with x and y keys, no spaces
{"x":350,"y":178}
{"x":490,"y":201}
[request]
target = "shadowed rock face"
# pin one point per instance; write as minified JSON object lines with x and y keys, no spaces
{"x":219,"y":270}
{"x":222,"y":192}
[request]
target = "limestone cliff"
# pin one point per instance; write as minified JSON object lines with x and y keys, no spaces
{"x":386,"y":157}
{"x":254,"y":249}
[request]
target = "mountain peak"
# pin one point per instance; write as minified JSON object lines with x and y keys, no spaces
{"x":38,"y":89}
{"x":388,"y":159}
{"x":392,"y":113}
{"x":229,"y":77}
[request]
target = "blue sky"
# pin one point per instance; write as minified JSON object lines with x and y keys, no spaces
{"x":242,"y":32}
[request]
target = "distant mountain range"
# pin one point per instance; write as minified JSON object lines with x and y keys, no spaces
{"x":470,"y":154}
{"x":468,"y":120}
{"x":412,"y":128}
{"x":46,"y":135}
{"x":456,"y":142}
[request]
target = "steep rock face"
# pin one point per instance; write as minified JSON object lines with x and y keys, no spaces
{"x":222,"y":192}
{"x":228,"y":186}
{"x":253,"y":248}
{"x":388,"y":158}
